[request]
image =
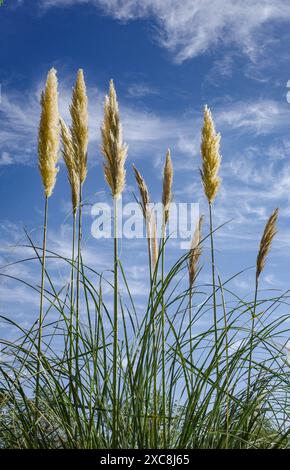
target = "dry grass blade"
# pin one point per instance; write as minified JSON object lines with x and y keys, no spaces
{"x":113,"y":147}
{"x":167,"y":186}
{"x":195,"y":253}
{"x":266,"y":242}
{"x":210,"y":146}
{"x":70,"y":161}
{"x":48,"y":137}
{"x":79,"y":129}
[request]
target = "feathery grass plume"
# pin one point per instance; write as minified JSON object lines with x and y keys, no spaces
{"x":144,"y":193}
{"x":69,"y":158}
{"x":79,"y":128}
{"x":167,"y":186}
{"x":48,"y":137}
{"x":210,"y":147}
{"x":195,"y":252}
{"x":113,"y":147}
{"x":266,"y":242}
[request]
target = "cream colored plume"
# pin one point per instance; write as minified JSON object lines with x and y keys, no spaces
{"x":113,"y":147}
{"x":79,"y":128}
{"x":48,"y":136}
{"x":210,"y":147}
{"x":70,"y":161}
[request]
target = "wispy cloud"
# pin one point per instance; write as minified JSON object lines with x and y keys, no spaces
{"x":144,"y":131}
{"x":192,"y":27}
{"x":260,"y":116}
{"x":139,"y":90}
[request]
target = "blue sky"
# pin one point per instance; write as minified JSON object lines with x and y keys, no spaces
{"x":168,"y":59}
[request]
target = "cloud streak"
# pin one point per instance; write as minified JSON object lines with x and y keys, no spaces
{"x":192,"y":27}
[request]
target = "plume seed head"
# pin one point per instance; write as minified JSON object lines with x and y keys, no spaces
{"x":266,"y":242}
{"x":48,"y":134}
{"x":144,"y":193}
{"x":113,"y":148}
{"x":167,"y":186}
{"x":211,"y":158}
{"x":79,"y":128}
{"x":71,"y":164}
{"x":195,"y":252}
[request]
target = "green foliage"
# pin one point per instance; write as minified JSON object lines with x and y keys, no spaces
{"x":203,"y":409}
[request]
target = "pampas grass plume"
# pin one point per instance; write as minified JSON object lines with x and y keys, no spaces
{"x":70,"y":161}
{"x":266,"y":242}
{"x":48,"y":136}
{"x":144,"y":193}
{"x":79,"y":128}
{"x":195,"y":252}
{"x":210,"y":146}
{"x":167,"y":186}
{"x":113,"y":148}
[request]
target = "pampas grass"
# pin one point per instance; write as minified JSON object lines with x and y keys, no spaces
{"x":211,"y":160}
{"x":193,"y":260}
{"x":48,"y":146}
{"x":269,"y":233}
{"x":170,"y":378}
{"x":115,"y":152}
{"x":166,"y":201}
{"x":79,"y":138}
{"x":145,"y":201}
{"x":70,"y":158}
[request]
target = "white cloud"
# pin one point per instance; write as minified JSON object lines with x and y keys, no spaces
{"x":260,"y":117}
{"x":192,"y":27}
{"x":144,"y":131}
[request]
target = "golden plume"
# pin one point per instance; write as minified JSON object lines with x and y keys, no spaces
{"x":113,"y":148}
{"x":70,"y":161}
{"x":48,"y":136}
{"x":266,"y":242}
{"x":210,"y":146}
{"x":79,"y":128}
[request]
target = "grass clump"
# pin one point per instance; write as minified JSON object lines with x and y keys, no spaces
{"x":88,"y":374}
